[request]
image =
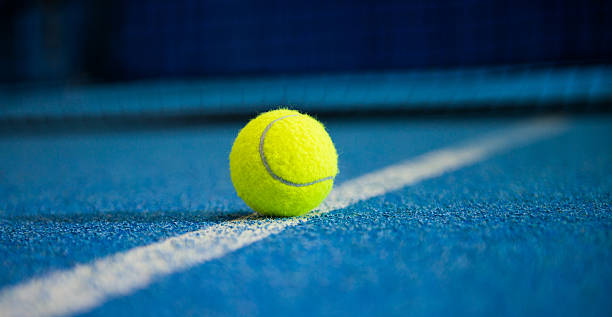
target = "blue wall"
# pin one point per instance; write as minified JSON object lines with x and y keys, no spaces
{"x":116,"y":40}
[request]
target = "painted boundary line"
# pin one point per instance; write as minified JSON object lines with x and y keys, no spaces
{"x":87,"y":286}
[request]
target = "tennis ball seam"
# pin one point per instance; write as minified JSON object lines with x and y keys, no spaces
{"x":267,"y":166}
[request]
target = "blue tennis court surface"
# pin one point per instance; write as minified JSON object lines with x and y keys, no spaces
{"x":523,"y":86}
{"x":525,"y":231}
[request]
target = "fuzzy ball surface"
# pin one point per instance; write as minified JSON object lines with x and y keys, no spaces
{"x":283,"y":163}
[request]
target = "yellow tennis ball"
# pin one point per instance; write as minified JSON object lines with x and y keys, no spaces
{"x":283,"y":163}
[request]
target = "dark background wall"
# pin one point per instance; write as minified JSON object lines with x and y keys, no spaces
{"x":125,"y":40}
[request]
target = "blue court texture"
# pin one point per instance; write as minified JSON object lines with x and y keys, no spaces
{"x":525,"y":232}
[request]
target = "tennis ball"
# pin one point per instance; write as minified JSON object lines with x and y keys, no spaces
{"x":283,"y":163}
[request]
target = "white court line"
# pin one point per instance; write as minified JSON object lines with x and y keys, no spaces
{"x":89,"y":285}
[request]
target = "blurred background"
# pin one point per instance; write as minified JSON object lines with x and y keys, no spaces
{"x":187,"y":57}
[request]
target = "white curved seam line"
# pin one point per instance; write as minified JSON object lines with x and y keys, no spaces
{"x":265,"y":161}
